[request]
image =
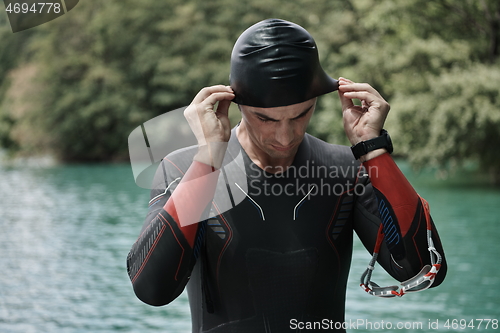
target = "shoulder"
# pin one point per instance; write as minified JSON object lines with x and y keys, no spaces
{"x":329,"y":154}
{"x":173,"y":167}
{"x":337,"y":159}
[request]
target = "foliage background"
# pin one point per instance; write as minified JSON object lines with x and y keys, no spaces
{"x":77,"y":86}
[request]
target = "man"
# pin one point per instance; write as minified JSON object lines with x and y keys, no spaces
{"x":259,"y":219}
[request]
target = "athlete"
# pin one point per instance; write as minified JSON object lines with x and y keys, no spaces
{"x":258,"y":220}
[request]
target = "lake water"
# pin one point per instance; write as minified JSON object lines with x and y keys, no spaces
{"x":65,"y":233}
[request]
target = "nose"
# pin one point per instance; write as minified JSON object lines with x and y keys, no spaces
{"x":284,"y":134}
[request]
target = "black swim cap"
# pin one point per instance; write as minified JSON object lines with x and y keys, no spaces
{"x":276,"y":63}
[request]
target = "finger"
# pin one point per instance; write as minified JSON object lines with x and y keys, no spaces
{"x":364,"y":105}
{"x":359,"y":87}
{"x":226,"y":125}
{"x":343,"y":80}
{"x":345,"y":101}
{"x":363,"y":96}
{"x":207,"y":91}
{"x":223,"y":108}
{"x":217,"y":97}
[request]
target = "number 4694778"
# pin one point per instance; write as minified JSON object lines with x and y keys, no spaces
{"x":39,"y":7}
{"x":471,"y":324}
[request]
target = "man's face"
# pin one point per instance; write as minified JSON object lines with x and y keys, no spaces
{"x":278,"y":131}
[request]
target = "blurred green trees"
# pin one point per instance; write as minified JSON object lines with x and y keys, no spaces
{"x":77,"y":86}
{"x":436,"y":62}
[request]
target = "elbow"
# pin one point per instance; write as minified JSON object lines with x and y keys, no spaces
{"x":153,"y":301}
{"x":155,"y":296}
{"x":150,"y":284}
{"x":157,"y":289}
{"x":150,"y":289}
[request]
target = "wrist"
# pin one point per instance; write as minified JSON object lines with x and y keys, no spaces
{"x":211,"y":154}
{"x":373,"y":147}
{"x":365,"y":138}
{"x":372,"y":155}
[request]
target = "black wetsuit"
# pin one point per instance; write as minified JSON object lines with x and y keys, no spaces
{"x":273,"y":247}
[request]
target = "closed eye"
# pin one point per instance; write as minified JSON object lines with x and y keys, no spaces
{"x":266,"y":120}
{"x":300,"y":116}
{"x":303,"y":114}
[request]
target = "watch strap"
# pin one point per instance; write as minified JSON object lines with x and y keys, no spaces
{"x":364,"y":147}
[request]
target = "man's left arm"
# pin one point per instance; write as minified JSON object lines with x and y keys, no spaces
{"x":401,"y":211}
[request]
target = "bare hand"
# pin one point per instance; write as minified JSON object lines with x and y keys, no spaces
{"x":211,"y":127}
{"x":363,"y":122}
{"x":207,"y":124}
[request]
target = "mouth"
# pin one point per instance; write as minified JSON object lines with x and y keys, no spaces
{"x":280,"y":148}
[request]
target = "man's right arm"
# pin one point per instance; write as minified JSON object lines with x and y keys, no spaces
{"x":160,"y":262}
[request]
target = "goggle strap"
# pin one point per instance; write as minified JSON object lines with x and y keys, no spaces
{"x":431,"y":248}
{"x":366,"y":277}
{"x":371,"y":266}
{"x":434,"y":254}
{"x":380,"y":238}
{"x":366,"y":282}
{"x":367,"y":274}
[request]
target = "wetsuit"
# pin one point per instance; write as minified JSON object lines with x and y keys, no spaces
{"x":273,"y":247}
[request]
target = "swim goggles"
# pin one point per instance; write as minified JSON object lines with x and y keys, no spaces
{"x":423,"y":280}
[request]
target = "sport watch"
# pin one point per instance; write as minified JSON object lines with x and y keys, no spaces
{"x":364,"y":147}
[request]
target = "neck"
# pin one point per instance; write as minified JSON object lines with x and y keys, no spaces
{"x":262,"y":159}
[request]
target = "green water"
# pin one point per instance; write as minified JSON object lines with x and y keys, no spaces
{"x":65,"y":233}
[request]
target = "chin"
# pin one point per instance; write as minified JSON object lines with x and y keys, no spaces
{"x":281,"y":154}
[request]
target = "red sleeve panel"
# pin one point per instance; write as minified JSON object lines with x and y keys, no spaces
{"x":388,"y":179}
{"x":191,"y":197}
